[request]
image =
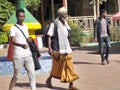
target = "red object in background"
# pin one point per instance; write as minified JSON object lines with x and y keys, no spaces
{"x":10,"y":51}
{"x":116,"y":16}
{"x":36,"y":42}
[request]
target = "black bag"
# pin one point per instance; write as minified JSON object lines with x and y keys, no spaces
{"x":34,"y":50}
{"x":55,"y":35}
{"x":45,"y":36}
{"x":36,"y":61}
{"x":45,"y":31}
{"x":35,"y":54}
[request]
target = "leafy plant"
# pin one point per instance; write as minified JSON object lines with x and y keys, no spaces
{"x":3,"y":37}
{"x":76,"y":35}
{"x":32,"y":5}
{"x":6,"y":10}
{"x":91,"y":37}
{"x":115,"y":34}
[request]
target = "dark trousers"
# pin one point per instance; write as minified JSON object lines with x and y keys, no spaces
{"x":104,"y":45}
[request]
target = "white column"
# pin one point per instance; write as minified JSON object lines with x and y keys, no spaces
{"x":98,"y":8}
{"x":119,"y":5}
{"x":94,"y":7}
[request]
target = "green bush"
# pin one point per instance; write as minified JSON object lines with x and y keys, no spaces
{"x":91,"y":37}
{"x":32,"y":5}
{"x":6,"y":10}
{"x":3,"y":37}
{"x":115,"y":34}
{"x":76,"y":35}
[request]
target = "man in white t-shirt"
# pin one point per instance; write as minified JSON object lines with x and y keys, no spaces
{"x":22,"y":54}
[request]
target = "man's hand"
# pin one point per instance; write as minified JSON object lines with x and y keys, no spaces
{"x":24,"y":46}
{"x":29,"y":40}
{"x":50,"y":52}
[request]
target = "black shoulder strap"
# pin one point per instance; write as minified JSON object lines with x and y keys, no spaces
{"x":31,"y":44}
{"x":21,"y":31}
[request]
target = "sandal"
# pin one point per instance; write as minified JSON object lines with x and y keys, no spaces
{"x":48,"y":82}
{"x":73,"y":88}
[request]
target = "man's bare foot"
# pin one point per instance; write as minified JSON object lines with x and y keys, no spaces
{"x":73,"y":88}
{"x":48,"y":82}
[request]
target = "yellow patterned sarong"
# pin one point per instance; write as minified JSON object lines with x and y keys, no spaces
{"x":62,"y":68}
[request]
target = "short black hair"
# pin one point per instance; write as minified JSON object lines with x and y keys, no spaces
{"x":19,"y":10}
{"x":102,"y":11}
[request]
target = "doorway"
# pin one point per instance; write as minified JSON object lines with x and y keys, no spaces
{"x":48,"y":8}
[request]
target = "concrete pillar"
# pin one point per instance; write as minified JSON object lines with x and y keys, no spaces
{"x":94,"y":8}
{"x":98,"y":8}
{"x":119,"y":5}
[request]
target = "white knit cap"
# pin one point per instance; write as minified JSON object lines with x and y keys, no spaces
{"x":62,"y":11}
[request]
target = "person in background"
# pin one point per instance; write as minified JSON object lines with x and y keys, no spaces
{"x":22,"y":54}
{"x":102,"y":35}
{"x":61,"y":52}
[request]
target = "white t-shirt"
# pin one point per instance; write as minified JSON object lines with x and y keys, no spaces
{"x":103,"y":28}
{"x":19,"y":38}
{"x":64,"y":45}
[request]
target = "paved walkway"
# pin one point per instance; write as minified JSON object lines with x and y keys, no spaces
{"x":93,"y":76}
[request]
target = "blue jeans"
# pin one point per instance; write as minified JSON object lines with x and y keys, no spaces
{"x":104,"y":43}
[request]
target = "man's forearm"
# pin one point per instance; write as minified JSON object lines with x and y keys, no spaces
{"x":12,"y":38}
{"x":17,"y":44}
{"x":49,"y":43}
{"x":25,"y":46}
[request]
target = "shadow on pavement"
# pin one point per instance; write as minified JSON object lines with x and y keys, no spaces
{"x":22,"y":85}
{"x":26,"y":85}
{"x":58,"y":88}
{"x":117,"y":61}
{"x":86,"y":63}
{"x":54,"y":87}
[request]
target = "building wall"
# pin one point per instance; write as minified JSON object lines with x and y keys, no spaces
{"x":83,"y":8}
{"x":112,"y":6}
{"x":87,"y":8}
{"x":47,"y":6}
{"x":79,"y":8}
